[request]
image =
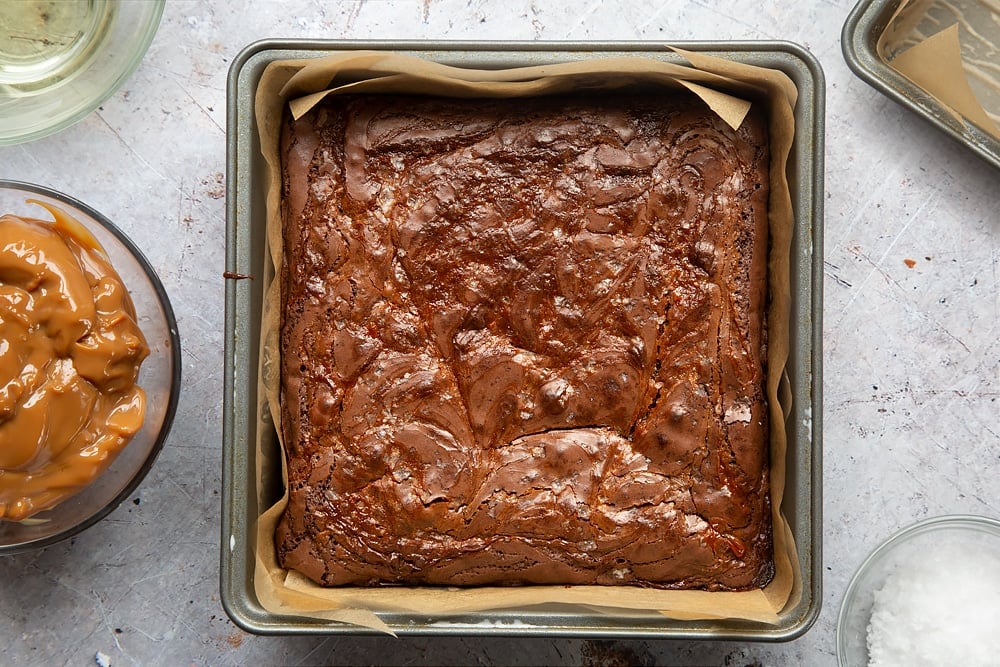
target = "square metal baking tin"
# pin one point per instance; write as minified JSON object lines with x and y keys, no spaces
{"x":864,"y":25}
{"x":245,"y":253}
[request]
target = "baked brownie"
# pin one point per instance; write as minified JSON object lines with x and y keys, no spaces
{"x":523,"y":341}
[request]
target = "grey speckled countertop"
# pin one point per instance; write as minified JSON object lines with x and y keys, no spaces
{"x":912,"y":340}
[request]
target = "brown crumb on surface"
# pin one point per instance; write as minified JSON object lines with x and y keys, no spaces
{"x":605,"y":653}
{"x":910,"y":263}
{"x":215,"y":186}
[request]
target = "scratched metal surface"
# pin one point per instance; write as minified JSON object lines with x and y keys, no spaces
{"x":912,"y":351}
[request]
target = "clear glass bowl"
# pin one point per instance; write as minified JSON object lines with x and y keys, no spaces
{"x":61,"y":59}
{"x":919,"y":541}
{"x":160,"y":377}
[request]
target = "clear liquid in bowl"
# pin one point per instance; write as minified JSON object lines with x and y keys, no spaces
{"x":45,"y":42}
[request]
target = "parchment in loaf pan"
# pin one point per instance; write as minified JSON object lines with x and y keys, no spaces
{"x":244,"y":297}
{"x":859,"y":41}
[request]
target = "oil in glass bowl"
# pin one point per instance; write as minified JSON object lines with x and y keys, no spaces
{"x":45,"y":42}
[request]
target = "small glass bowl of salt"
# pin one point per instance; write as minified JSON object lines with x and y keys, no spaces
{"x":929,"y":595}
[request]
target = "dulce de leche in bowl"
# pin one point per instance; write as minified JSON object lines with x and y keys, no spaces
{"x":70,"y":355}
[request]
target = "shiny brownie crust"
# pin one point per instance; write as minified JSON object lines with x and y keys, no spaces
{"x":523,"y":342}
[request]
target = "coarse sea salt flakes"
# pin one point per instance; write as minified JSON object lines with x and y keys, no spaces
{"x":942,"y":607}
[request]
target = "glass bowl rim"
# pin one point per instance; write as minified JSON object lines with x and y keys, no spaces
{"x":144,"y":41}
{"x":175,"y":367}
{"x":931,"y":524}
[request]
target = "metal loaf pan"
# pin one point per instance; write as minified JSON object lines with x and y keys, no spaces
{"x":866,"y":23}
{"x":245,"y":254}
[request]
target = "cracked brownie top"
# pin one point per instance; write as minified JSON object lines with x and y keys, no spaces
{"x":523,"y":341}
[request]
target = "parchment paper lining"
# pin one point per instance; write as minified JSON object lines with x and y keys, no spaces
{"x":950,"y":51}
{"x":726,"y":87}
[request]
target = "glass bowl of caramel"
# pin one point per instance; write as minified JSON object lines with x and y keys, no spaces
{"x":89,"y":366}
